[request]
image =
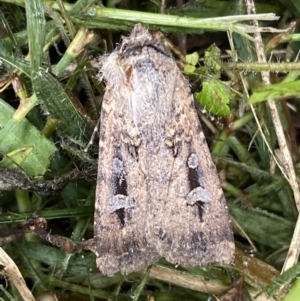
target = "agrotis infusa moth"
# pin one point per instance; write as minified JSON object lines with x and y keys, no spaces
{"x":158,"y":192}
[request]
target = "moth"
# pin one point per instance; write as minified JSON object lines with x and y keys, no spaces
{"x":158,"y":193}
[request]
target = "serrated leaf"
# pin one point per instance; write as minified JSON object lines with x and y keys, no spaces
{"x":212,"y":59}
{"x":214,"y":97}
{"x":61,"y":105}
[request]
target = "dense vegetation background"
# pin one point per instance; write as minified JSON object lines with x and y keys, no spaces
{"x":50,"y":99}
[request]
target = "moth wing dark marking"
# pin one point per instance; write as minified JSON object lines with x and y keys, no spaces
{"x":188,"y":220}
{"x":120,"y":209}
{"x":158,"y":193}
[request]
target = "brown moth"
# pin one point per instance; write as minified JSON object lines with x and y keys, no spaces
{"x":158,"y":192}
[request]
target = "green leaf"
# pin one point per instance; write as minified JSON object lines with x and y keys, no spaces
{"x":284,"y":279}
{"x":15,"y":158}
{"x":73,"y":120}
{"x":213,"y":59}
{"x":27,"y":147}
{"x":214,"y":97}
{"x":192,"y":59}
{"x":281,"y":90}
{"x":36,"y":32}
{"x":189,"y":68}
{"x":294,"y":292}
{"x":263,"y":227}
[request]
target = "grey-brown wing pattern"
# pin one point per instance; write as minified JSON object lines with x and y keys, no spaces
{"x":188,"y":218}
{"x":158,"y":193}
{"x":121,"y":194}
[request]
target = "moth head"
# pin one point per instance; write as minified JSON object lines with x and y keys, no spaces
{"x":141,"y":37}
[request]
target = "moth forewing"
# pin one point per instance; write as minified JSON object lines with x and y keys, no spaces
{"x":120,"y":209}
{"x":188,"y":219}
{"x":158,"y":192}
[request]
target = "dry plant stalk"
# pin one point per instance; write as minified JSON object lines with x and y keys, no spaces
{"x":288,"y":166}
{"x":11,"y":271}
